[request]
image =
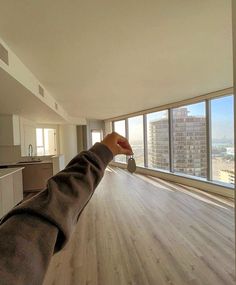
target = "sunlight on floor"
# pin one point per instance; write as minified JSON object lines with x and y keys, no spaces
{"x":179,"y":188}
{"x":155,"y":183}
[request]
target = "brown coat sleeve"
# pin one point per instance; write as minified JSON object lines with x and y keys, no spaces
{"x":32,"y":231}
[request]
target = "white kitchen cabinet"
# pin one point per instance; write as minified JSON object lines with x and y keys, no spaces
{"x":17,"y":187}
{"x":9,"y":130}
{"x":11,"y":189}
{"x":6,"y":185}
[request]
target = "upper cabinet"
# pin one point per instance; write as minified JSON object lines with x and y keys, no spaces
{"x":28,"y":136}
{"x":9,"y":130}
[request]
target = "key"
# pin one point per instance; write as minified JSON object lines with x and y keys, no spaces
{"x":131,"y":166}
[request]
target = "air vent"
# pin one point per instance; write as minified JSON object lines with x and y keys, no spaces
{"x":4,"y":54}
{"x":41,"y":91}
{"x":56,"y":106}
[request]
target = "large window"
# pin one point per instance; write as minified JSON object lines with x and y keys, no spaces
{"x":119,"y":127}
{"x":189,"y":140}
{"x":222,"y":139}
{"x":197,"y":140}
{"x":158,"y":140}
{"x":46,"y":141}
{"x":135,"y":126}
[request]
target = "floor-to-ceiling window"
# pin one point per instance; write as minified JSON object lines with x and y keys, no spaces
{"x":196,"y":140}
{"x":120,"y":128}
{"x":135,"y":127}
{"x":189,"y":140}
{"x":158,"y":140}
{"x":222,"y":139}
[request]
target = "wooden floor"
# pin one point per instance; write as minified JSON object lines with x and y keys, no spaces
{"x":145,"y":231}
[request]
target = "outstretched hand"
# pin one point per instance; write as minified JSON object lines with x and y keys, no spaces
{"x":117,"y":144}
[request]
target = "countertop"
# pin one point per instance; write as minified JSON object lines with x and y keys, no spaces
{"x":8,"y":171}
{"x":24,"y":163}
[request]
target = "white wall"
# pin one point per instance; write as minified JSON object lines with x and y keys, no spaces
{"x":68,"y":141}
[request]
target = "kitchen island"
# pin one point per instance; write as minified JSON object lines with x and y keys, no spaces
{"x":11,"y":188}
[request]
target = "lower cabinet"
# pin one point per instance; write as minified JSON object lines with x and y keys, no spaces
{"x":35,"y":176}
{"x":7,"y":193}
{"x":11,"y":192}
{"x":17,"y":187}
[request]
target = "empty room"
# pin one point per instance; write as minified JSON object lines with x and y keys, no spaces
{"x":117,"y":142}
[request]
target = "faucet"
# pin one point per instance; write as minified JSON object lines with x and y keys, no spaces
{"x":30,"y":151}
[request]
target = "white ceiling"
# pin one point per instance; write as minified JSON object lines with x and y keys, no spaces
{"x":101,"y":59}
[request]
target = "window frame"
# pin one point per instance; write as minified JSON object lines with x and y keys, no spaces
{"x":204,"y":98}
{"x":217,"y":182}
{"x":207,"y":142}
{"x":157,"y":168}
{"x":127,"y":135}
{"x":43,"y":138}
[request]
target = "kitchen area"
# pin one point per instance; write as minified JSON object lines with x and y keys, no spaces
{"x":32,"y":150}
{"x":28,"y":158}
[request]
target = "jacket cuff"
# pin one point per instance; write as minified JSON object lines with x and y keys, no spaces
{"x":103,"y":152}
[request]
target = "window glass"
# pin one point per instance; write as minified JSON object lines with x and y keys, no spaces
{"x":46,"y":141}
{"x":189,"y":140}
{"x":119,"y":127}
{"x":39,"y":137}
{"x":136,"y":138}
{"x":96,"y":136}
{"x":158,"y":140}
{"x":222,"y":139}
{"x":49,"y":141}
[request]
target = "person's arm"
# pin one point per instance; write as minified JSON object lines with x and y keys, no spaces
{"x":32,"y":231}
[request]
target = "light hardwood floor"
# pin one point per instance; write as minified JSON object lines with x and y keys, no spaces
{"x":145,"y":231}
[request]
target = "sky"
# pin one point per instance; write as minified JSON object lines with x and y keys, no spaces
{"x":222,"y":118}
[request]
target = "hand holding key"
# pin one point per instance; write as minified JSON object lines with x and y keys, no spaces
{"x":117,"y":144}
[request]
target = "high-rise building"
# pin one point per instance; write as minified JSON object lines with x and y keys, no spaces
{"x":189,"y":143}
{"x":158,"y":148}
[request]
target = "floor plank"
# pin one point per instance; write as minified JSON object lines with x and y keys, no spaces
{"x":142,"y":231}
